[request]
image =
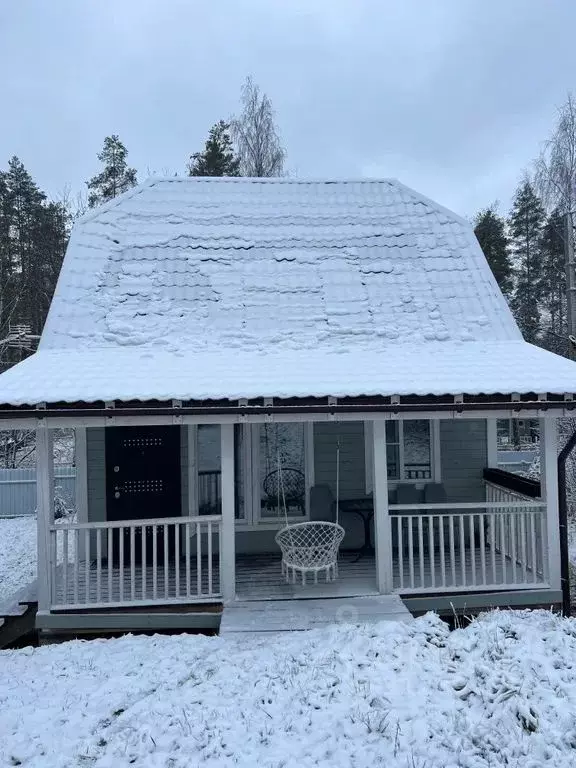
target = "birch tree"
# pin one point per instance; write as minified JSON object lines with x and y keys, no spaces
{"x":255,"y":134}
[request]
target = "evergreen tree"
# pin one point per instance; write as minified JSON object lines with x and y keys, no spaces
{"x":526,"y":225}
{"x":33,"y":237}
{"x":115,"y":177}
{"x":218,"y":158}
{"x":553,"y":283}
{"x":490,"y":231}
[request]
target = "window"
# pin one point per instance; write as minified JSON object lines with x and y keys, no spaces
{"x":409,"y":452}
{"x":281,"y":470}
{"x":258,"y":484}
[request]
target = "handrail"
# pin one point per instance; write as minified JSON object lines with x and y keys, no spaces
{"x":479,"y":505}
{"x":513,"y":482}
{"x":108,"y":524}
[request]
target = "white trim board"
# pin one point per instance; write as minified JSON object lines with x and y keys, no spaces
{"x":260,"y":418}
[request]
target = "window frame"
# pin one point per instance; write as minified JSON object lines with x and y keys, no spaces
{"x":393,"y":482}
{"x":253,"y":518}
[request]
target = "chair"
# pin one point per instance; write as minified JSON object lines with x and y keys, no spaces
{"x":310,"y":547}
{"x":322,"y":503}
{"x":407,"y":493}
{"x":435,"y":493}
{"x":294,"y":488}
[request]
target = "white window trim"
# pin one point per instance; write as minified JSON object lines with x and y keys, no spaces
{"x":253,"y":519}
{"x":435,"y":466}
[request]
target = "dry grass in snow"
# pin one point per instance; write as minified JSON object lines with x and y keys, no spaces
{"x":500,"y":692}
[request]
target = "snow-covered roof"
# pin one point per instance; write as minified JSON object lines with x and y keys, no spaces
{"x":196,"y":288}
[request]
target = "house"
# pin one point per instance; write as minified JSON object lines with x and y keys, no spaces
{"x":207,"y":334}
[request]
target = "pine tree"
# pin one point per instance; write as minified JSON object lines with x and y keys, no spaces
{"x":33,"y":237}
{"x":553,"y":283}
{"x":115,"y":177}
{"x":218,"y":158}
{"x":490,"y":231}
{"x":526,"y":225}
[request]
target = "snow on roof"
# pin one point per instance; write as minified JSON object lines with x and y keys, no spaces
{"x":202,"y":288}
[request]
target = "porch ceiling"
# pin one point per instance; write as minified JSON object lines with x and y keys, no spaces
{"x":145,"y":374}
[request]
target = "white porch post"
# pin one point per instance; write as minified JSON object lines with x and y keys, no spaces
{"x":382,"y":529}
{"x":549,"y":481}
{"x":228,"y":544}
{"x":45,"y":511}
{"x":81,"y":493}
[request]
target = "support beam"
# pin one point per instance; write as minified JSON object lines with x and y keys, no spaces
{"x":492,"y":442}
{"x":549,"y":482}
{"x":192,"y":469}
{"x":81,"y":461}
{"x":228,"y":543}
{"x":382,"y":530}
{"x":45,"y":510}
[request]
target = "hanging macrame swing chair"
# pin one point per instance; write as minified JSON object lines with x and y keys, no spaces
{"x":309,"y":548}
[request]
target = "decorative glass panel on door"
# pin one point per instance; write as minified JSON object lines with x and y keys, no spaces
{"x":282,"y":470}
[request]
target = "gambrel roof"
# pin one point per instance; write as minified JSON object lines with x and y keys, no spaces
{"x":197,"y":288}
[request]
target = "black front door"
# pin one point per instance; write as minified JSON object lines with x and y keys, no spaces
{"x":142,"y":477}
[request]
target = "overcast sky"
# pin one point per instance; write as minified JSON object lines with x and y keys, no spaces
{"x":453,"y":97}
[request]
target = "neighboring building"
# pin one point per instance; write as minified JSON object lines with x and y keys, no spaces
{"x":205,"y":330}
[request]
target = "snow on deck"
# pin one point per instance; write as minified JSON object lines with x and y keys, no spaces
{"x":501,"y":692}
{"x":268,"y":616}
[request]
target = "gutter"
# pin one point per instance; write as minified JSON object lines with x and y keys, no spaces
{"x":331,"y":408}
{"x":563,"y":523}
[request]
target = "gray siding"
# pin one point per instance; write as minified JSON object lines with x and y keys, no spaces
{"x":352,"y":467}
{"x":464,"y":454}
{"x":96,"y":458}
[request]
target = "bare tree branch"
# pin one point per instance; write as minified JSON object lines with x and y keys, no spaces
{"x":255,"y":134}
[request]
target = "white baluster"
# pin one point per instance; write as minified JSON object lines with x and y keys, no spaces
{"x":132,"y":563}
{"x":410,"y":519}
{"x":187,"y":559}
{"x":399,"y":526}
{"x":99,"y":565}
{"x":421,"y":549}
{"x":198,"y":560}
{"x":210,"y":586}
{"x":155,"y":561}
{"x":177,"y":557}
{"x":166,"y":564}
{"x":121,"y":544}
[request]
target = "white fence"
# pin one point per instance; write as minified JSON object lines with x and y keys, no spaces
{"x":18,"y":489}
{"x":499,"y":543}
{"x":137,"y":562}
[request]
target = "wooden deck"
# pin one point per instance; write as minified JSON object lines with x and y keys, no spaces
{"x":269,"y":617}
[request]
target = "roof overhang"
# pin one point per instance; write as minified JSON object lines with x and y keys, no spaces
{"x":116,"y":413}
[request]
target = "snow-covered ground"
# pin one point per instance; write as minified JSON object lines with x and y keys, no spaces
{"x":501,"y":692}
{"x":17,"y":555}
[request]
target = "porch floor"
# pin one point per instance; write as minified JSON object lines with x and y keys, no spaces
{"x":258,"y":577}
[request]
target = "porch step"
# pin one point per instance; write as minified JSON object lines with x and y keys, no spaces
{"x":273,"y":616}
{"x":17,"y":615}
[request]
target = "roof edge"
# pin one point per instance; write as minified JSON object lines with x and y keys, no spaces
{"x":432,"y":203}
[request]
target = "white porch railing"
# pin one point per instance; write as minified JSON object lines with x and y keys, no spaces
{"x":135,"y":562}
{"x":497,"y":544}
